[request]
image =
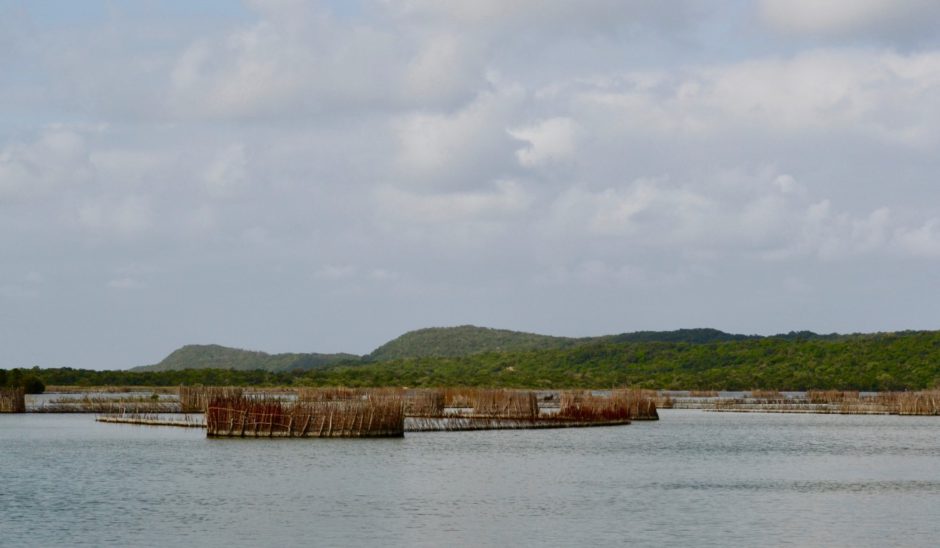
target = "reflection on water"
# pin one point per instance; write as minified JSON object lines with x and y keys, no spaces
{"x":693,"y":478}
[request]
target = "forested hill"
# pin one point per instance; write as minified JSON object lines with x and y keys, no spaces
{"x":881,"y":361}
{"x":466,"y":340}
{"x":443,"y":342}
{"x":213,"y":356}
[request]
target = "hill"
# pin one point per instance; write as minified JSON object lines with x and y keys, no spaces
{"x":463,"y":340}
{"x":467,"y":340}
{"x":213,"y":356}
{"x":880,"y":361}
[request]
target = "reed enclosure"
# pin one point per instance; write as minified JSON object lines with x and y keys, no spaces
{"x":241,"y":416}
{"x":153,"y":419}
{"x":92,"y":404}
{"x":425,"y":403}
{"x":195,"y":399}
{"x":583,"y":406}
{"x":843,"y":402}
{"x":510,"y":404}
{"x":12,"y":400}
{"x":642,"y":403}
{"x":926,"y":402}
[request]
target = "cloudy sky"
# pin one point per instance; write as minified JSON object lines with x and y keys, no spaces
{"x":290,"y":176}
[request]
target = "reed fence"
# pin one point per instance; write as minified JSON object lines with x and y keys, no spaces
{"x":261,"y":417}
{"x":12,"y":400}
{"x":642,"y":403}
{"x":195,"y":399}
{"x":424,"y":403}
{"x":511,"y":404}
{"x":583,"y":406}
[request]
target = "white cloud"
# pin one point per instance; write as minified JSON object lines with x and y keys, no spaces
{"x":298,"y":61}
{"x":601,"y":148}
{"x":550,"y":141}
{"x":886,"y":96}
{"x":467,"y":148}
{"x":649,"y":209}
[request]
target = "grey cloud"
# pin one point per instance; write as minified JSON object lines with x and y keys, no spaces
{"x":298,"y":180}
{"x":899,"y":21}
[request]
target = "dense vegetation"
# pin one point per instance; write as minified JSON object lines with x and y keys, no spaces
{"x":67,"y":376}
{"x":898,"y":361}
{"x":463,"y":340}
{"x":213,"y":356}
{"x":466,"y":340}
{"x":28,"y":379}
{"x":889,"y":361}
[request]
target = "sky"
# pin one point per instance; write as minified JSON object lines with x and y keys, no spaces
{"x":295,"y":176}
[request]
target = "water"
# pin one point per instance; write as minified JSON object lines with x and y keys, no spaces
{"x":693,"y":478}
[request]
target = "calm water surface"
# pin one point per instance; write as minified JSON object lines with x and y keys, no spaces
{"x":693,"y":478}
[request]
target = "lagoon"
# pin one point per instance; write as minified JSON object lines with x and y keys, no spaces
{"x":692,"y":478}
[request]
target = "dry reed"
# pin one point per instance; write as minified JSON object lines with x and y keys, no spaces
{"x":642,"y":403}
{"x":195,"y":399}
{"x":583,"y":406}
{"x":263,"y":417}
{"x":425,"y":403}
{"x":12,"y":400}
{"x":513,"y":404}
{"x":831,"y":396}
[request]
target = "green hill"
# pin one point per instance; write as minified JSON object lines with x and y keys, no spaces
{"x":463,"y":340}
{"x":466,"y":340}
{"x":907,"y":360}
{"x":213,"y":356}
{"x":880,"y":361}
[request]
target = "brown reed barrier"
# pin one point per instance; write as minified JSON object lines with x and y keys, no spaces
{"x":831,"y":396}
{"x":642,"y":403}
{"x":262,"y":417}
{"x":195,"y":399}
{"x":107,"y":405}
{"x":459,"y":397}
{"x":515,"y":404}
{"x":12,"y":400}
{"x":926,"y":402}
{"x":424,"y":403}
{"x":583,"y":406}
